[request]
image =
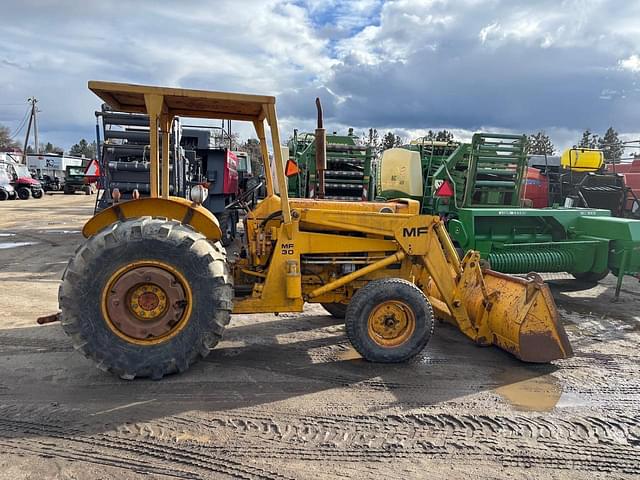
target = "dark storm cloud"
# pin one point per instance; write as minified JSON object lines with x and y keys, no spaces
{"x":561,"y":65}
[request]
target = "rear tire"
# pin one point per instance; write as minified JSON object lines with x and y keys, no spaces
{"x":37,"y":194}
{"x":336,"y":310}
{"x":397,"y":302}
{"x":3,"y":195}
{"x":24,"y":193}
{"x":89,"y":280}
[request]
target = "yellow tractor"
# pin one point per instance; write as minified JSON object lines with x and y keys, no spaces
{"x":151,"y":290}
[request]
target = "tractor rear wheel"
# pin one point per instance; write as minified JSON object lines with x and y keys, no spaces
{"x":389,"y":320}
{"x":146,"y":297}
{"x":337,"y":310}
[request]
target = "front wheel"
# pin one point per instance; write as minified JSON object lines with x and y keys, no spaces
{"x":4,"y":195}
{"x":24,"y":193}
{"x":146,"y":297}
{"x":389,"y":320}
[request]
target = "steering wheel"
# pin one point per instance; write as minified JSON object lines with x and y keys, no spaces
{"x":241,"y":201}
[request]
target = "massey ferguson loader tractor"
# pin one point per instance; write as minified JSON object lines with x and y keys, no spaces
{"x":151,"y":290}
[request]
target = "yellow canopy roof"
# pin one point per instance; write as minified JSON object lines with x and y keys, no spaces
{"x":184,"y":102}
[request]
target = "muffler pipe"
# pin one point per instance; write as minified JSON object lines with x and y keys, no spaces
{"x":321,"y":151}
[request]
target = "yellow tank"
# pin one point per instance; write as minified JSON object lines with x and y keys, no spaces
{"x":401,"y":171}
{"x":582,"y":159}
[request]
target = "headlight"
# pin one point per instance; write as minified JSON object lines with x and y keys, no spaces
{"x":199,"y":194}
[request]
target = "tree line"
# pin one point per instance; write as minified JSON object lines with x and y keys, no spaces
{"x":538,"y":143}
{"x":612,"y":147}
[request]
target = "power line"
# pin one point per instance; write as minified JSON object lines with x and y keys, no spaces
{"x":21,"y":126}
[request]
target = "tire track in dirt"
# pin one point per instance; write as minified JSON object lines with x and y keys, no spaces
{"x":590,"y":443}
{"x":130,"y":452}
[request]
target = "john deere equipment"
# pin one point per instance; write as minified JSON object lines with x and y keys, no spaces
{"x":476,"y":188}
{"x":345,"y":175}
{"x":151,"y":290}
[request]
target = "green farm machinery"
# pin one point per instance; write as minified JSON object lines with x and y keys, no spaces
{"x":477,"y":189}
{"x":347,"y":173}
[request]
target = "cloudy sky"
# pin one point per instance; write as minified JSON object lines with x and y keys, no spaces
{"x":407,"y":65}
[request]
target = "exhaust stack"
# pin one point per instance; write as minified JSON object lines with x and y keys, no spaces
{"x":321,"y":151}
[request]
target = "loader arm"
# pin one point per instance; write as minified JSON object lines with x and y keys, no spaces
{"x":516,"y":314}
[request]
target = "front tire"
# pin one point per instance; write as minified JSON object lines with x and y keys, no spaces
{"x":389,"y":320}
{"x":4,"y":195}
{"x":146,"y":297}
{"x":24,"y":193}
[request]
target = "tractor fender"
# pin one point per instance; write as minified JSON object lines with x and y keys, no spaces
{"x":175,"y":208}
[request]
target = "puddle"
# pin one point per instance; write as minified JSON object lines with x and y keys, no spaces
{"x":537,"y":394}
{"x":7,"y":234}
{"x":5,"y":246}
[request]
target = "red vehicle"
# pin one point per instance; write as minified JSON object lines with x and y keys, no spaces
{"x":536,"y":188}
{"x":22,"y":181}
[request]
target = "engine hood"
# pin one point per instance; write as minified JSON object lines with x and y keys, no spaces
{"x":29,"y":181}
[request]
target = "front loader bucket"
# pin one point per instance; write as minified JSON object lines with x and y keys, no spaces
{"x":523,"y":318}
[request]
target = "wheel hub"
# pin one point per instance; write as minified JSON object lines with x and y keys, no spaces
{"x":391,"y":323}
{"x":146,"y":302}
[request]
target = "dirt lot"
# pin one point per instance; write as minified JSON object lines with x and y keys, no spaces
{"x":286,"y":397}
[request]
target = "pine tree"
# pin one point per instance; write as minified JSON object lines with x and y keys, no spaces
{"x":389,"y":140}
{"x":611,"y":145}
{"x":84,"y":148}
{"x":439,"y":136}
{"x":444,"y":136}
{"x":373,"y":139}
{"x":588,"y":140}
{"x":539,"y":144}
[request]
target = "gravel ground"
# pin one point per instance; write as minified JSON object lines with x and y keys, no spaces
{"x":287,"y":397}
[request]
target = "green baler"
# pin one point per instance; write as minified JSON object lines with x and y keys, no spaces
{"x":348,"y":175}
{"x":476,"y":188}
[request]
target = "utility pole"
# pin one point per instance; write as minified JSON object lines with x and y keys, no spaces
{"x":33,"y":120}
